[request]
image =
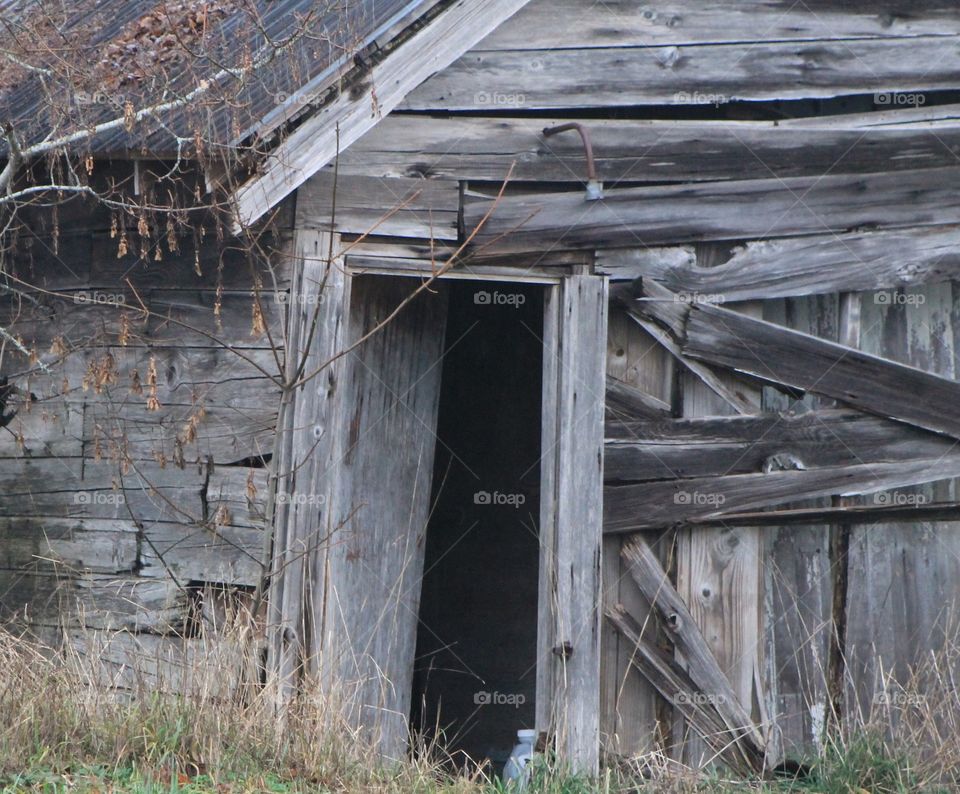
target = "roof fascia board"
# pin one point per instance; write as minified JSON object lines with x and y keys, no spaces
{"x":350,"y":115}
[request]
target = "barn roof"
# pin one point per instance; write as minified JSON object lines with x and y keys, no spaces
{"x":295,"y":80}
{"x":233,"y":69}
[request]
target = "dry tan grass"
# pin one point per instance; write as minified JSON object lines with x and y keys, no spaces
{"x":111,"y":701}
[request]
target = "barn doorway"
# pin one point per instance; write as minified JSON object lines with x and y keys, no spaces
{"x":476,"y":652}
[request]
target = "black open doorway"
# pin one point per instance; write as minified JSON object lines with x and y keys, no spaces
{"x":476,"y":658}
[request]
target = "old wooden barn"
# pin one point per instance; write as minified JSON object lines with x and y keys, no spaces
{"x":582,"y":367}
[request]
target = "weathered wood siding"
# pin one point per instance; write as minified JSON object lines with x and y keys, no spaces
{"x":133,"y":472}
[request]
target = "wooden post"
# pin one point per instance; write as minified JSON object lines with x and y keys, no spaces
{"x":568,"y":674}
{"x":307,"y":445}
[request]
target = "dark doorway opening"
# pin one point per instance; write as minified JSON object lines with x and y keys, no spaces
{"x":475,"y":671}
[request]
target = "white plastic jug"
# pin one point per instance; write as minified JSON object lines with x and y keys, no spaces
{"x":516,"y":767}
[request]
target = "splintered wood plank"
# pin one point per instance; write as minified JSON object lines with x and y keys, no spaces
{"x":817,"y":264}
{"x":718,"y":446}
{"x":484,"y":148}
{"x":558,"y":78}
{"x":374,"y":555}
{"x":664,"y":503}
{"x":342,"y":121}
{"x":573,"y":442}
{"x":676,"y":686}
{"x":734,"y":210}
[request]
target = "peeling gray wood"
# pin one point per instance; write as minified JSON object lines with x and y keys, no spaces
{"x":484,"y":148}
{"x":818,"y":264}
{"x":735,"y":210}
{"x":316,"y":142}
{"x":373,"y":558}
{"x":665,"y":503}
{"x":680,"y":448}
{"x":779,"y":355}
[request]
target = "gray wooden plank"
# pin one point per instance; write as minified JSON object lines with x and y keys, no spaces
{"x":365,"y":204}
{"x":623,"y":23}
{"x":734,"y":210}
{"x":696,"y":447}
{"x":553,"y":79}
{"x":373,"y":560}
{"x":483,"y":148}
{"x":817,"y":264}
{"x":663,"y":504}
{"x":577,"y":436}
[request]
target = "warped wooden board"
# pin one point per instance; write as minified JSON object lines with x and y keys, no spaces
{"x":675,"y":685}
{"x":308,"y":445}
{"x":778,"y":355}
{"x":377,"y":205}
{"x":665,"y":503}
{"x":554,"y":79}
{"x":735,"y":210}
{"x":628,"y":401}
{"x":817,"y":264}
{"x":484,"y":148}
{"x":716,"y":446}
{"x":568,"y":672}
{"x":317,"y":141}
{"x":878,"y":512}
{"x":185,"y":318}
{"x":217,"y":433}
{"x":626,"y":23}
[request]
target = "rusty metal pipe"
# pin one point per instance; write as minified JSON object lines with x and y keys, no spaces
{"x":594,"y":185}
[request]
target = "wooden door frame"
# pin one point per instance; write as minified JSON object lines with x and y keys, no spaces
{"x":569,"y":602}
